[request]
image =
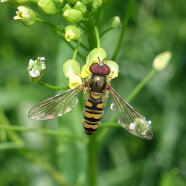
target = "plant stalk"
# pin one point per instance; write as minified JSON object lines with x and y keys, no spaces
{"x":125,"y":22}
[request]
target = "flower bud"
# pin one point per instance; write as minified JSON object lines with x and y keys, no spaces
{"x":114,"y":69}
{"x":26,"y":15}
{"x":162,"y":60}
{"x":115,"y":21}
{"x":81,"y":7}
{"x":67,"y":6}
{"x":96,"y":55}
{"x":96,"y":4}
{"x":72,"y":33}
{"x":86,"y":1}
{"x":73,"y":15}
{"x":36,"y":69}
{"x":47,"y":6}
{"x":71,"y":69}
{"x":72,"y":1}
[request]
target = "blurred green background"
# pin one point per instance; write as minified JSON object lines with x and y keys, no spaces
{"x":35,"y":159}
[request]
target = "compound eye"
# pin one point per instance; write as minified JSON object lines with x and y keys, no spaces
{"x":95,"y":68}
{"x":105,"y":70}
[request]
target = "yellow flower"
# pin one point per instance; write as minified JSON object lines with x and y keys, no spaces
{"x":74,"y":80}
{"x":114,"y":69}
{"x":26,"y":15}
{"x":95,"y":56}
{"x":85,"y":72}
{"x":72,"y":33}
{"x":71,"y":69}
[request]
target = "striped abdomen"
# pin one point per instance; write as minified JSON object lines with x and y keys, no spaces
{"x":93,"y":113}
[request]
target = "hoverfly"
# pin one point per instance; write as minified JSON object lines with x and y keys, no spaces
{"x":98,"y":88}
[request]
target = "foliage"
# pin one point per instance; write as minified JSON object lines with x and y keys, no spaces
{"x":57,"y":152}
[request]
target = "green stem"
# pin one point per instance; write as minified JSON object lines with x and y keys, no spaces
{"x":105,"y":31}
{"x":131,"y":96}
{"x":43,"y":131}
{"x":92,"y":161}
{"x":125,"y":22}
{"x":141,"y":85}
{"x":51,"y":86}
{"x":83,"y":46}
{"x":97,"y":37}
{"x":89,"y":27}
{"x":4,"y":122}
{"x":50,"y":24}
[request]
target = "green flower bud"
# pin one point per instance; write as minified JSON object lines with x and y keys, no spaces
{"x":67,"y":6}
{"x":72,"y":33}
{"x":96,"y":4}
{"x":96,"y":55}
{"x":86,"y":1}
{"x":72,"y":1}
{"x":162,"y":60}
{"x":115,"y":21}
{"x":26,"y":15}
{"x":81,"y":7}
{"x":73,"y":15}
{"x":71,"y":69}
{"x":36,"y":69}
{"x":47,"y":6}
{"x":114,"y":69}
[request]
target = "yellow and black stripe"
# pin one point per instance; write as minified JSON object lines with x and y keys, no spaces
{"x":93,"y":113}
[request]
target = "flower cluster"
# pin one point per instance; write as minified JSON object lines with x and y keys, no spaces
{"x":73,"y":11}
{"x":71,"y":68}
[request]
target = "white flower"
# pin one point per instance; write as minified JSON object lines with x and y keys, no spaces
{"x":36,"y":68}
{"x":26,"y":15}
{"x":162,"y":60}
{"x":34,"y":74}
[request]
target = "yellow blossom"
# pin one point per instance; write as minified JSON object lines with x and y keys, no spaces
{"x":71,"y":69}
{"x":114,"y":69}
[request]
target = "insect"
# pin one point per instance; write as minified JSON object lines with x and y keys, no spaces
{"x":98,"y":88}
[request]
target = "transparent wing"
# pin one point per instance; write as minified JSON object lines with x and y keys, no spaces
{"x":129,"y":118}
{"x":57,"y":105}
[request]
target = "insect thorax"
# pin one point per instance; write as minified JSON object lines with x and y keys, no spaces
{"x":97,"y":83}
